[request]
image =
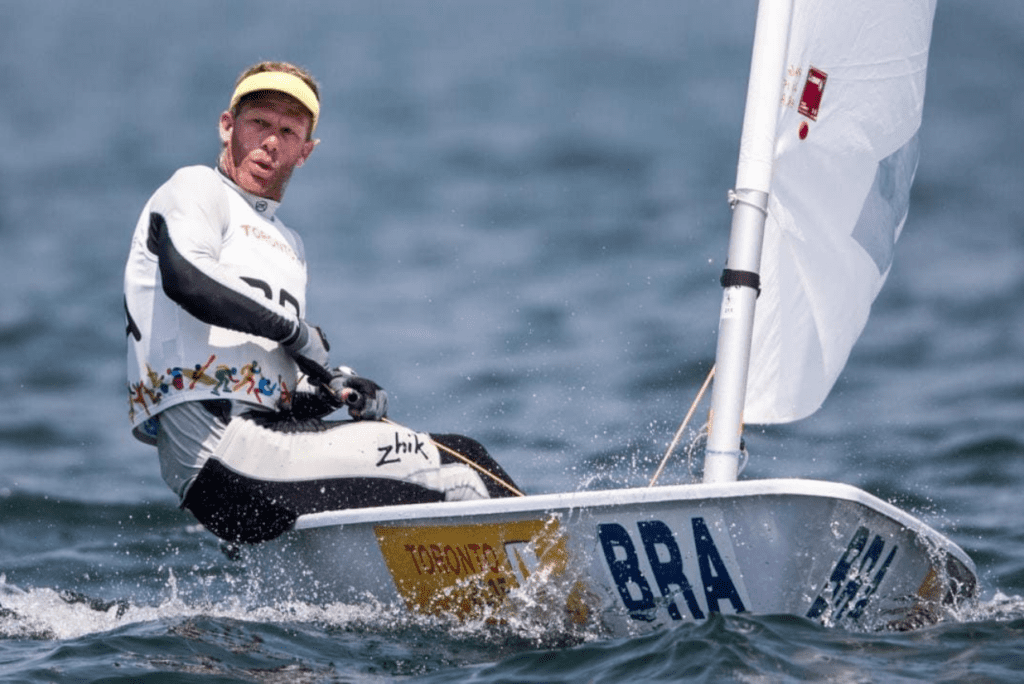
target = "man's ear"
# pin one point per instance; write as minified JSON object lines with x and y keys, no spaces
{"x":307,"y":149}
{"x":227,"y":124}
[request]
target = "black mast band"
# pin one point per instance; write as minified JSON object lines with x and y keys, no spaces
{"x":732,"y":278}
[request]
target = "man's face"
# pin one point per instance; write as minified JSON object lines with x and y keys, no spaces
{"x":265,"y":142}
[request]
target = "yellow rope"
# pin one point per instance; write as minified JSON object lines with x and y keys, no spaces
{"x":682,"y":426}
{"x":465,"y":460}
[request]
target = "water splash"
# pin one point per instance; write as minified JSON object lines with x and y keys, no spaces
{"x":43,"y":613}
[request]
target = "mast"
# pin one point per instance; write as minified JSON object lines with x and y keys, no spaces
{"x":741,"y":280}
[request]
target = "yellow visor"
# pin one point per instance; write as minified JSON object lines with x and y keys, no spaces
{"x":281,"y":82}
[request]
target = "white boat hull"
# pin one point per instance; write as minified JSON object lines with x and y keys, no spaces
{"x":628,"y":561}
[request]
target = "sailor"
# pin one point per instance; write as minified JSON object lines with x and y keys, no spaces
{"x":228,"y":379}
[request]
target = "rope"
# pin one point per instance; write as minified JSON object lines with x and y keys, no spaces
{"x":682,"y":426}
{"x":465,"y":460}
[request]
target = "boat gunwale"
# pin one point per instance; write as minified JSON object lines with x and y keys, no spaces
{"x":544,"y":504}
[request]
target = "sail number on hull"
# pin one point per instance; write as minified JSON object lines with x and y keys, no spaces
{"x":854,"y":578}
{"x":672,"y":570}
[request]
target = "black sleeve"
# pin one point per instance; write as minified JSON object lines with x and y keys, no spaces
{"x":189,"y":217}
{"x":208,"y":299}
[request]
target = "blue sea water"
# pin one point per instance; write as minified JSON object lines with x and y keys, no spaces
{"x":515,"y":222}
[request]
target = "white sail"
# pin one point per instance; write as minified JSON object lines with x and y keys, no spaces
{"x":846,"y":153}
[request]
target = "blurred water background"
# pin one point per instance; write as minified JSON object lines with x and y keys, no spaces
{"x":515,"y":222}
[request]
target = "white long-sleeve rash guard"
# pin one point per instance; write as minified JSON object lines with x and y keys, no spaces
{"x":214,"y":285}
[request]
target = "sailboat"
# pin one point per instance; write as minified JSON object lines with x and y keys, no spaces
{"x":827,"y":157}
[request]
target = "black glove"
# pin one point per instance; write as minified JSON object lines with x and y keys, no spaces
{"x":309,"y":349}
{"x":366,"y":400}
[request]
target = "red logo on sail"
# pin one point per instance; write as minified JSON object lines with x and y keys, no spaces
{"x":810,"y":100}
